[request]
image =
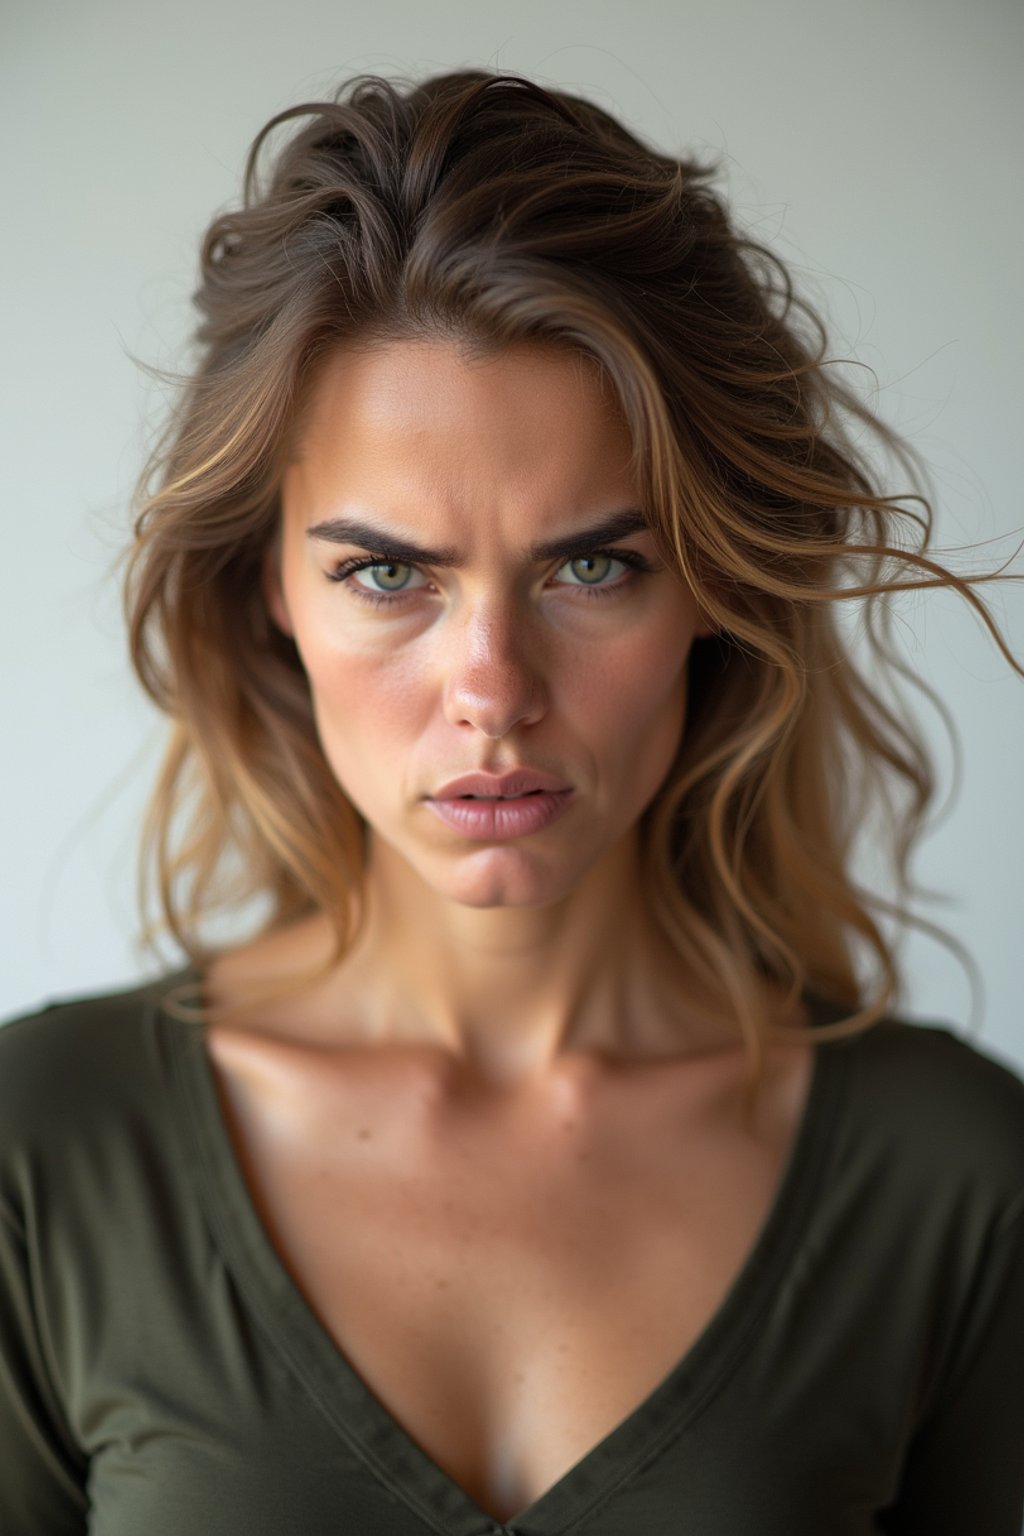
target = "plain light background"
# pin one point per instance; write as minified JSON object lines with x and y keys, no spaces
{"x":875,"y":147}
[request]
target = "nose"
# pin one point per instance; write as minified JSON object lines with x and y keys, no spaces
{"x":492,"y":678}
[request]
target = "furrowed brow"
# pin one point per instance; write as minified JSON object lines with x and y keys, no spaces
{"x":390,"y":546}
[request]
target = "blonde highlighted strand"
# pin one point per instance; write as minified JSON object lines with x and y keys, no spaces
{"x":485,"y":209}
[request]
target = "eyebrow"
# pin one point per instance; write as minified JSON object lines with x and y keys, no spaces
{"x":582,"y":541}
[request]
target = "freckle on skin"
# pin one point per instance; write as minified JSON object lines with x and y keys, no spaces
{"x":364,"y":1133}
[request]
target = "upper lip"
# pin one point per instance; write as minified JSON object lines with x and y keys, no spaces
{"x":518,"y":781}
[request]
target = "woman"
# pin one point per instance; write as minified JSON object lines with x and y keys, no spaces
{"x":542,"y":1162}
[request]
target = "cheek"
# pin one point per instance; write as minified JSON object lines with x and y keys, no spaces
{"x":634,"y":716}
{"x":365,"y":699}
{"x":636,"y":684}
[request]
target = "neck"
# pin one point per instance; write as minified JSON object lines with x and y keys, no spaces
{"x":507,"y":992}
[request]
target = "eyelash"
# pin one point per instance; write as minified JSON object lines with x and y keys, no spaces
{"x":637,"y":563}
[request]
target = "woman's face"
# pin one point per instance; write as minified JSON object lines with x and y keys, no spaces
{"x":495,"y":658}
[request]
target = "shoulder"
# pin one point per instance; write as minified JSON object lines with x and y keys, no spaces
{"x":66,"y":1029}
{"x":939,"y":1114}
{"x":63,"y":1063}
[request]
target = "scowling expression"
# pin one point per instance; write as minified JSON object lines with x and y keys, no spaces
{"x":435,"y":638}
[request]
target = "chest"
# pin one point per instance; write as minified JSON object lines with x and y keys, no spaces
{"x":510,"y":1286}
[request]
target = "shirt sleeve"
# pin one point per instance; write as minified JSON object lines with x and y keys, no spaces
{"x":42,"y":1472}
{"x":964,"y":1469}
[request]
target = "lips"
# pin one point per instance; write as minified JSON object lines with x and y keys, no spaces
{"x":490,"y":820}
{"x":501,"y":786}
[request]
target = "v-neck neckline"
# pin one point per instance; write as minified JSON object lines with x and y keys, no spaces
{"x":349,"y":1403}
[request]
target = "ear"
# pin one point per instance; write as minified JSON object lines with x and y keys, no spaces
{"x":273,"y":593}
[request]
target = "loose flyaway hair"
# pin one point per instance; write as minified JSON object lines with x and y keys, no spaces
{"x":483,"y":208}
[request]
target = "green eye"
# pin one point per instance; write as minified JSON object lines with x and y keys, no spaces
{"x":592,"y":568}
{"x":591,"y":560}
{"x":388,"y":568}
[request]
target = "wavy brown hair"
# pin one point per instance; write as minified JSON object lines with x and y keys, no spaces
{"x":483,"y":208}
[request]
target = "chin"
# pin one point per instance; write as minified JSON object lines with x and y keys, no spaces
{"x":499,"y":875}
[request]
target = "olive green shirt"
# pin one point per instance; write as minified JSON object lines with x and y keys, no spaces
{"x":162,"y":1375}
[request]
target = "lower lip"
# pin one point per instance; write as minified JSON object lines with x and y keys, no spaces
{"x":492,"y":820}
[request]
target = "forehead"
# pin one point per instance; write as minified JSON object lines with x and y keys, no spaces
{"x":428,"y":410}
